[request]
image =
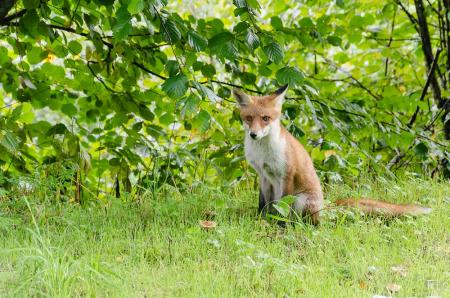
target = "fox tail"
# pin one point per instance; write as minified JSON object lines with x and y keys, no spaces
{"x":375,"y":207}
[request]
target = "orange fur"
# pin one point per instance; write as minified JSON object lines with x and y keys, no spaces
{"x":370,"y":206}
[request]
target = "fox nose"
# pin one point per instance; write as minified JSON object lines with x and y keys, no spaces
{"x":253,"y":135}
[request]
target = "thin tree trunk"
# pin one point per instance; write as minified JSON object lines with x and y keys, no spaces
{"x":442,"y":103}
{"x":447,"y":37}
{"x":117,"y":187}
{"x":426,"y":47}
{"x":5,"y":7}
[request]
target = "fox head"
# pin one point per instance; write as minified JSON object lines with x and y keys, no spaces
{"x":260,"y":114}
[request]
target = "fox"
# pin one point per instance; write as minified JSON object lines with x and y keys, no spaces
{"x":284,"y":166}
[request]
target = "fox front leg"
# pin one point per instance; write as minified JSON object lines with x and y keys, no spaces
{"x":265,"y":195}
{"x":262,"y":203}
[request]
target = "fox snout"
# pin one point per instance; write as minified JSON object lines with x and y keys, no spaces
{"x":254,"y":134}
{"x":259,"y":133}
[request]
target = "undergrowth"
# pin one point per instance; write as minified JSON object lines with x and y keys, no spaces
{"x":153,"y":245}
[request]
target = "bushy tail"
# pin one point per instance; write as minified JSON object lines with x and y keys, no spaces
{"x":369,"y":206}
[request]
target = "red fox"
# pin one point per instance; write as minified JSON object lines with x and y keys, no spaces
{"x":285,"y":167}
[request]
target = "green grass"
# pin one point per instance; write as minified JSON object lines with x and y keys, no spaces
{"x":157,"y":248}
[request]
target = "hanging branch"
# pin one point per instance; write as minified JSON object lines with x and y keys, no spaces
{"x":410,"y":16}
{"x":5,"y":7}
{"x":426,"y":47}
{"x":425,"y":88}
{"x":386,"y":66}
{"x":357,"y":82}
{"x":447,"y":31}
{"x":4,"y":21}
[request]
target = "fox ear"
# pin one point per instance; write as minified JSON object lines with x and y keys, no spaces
{"x":280,"y":94}
{"x":242,"y":98}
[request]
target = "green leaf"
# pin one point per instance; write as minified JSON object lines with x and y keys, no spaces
{"x":4,"y":55}
{"x":170,"y":31}
{"x":222,"y":44}
{"x":283,"y":209}
{"x":27,"y":115}
{"x":117,"y":120}
{"x":28,"y":23}
{"x":146,"y":113}
{"x":31,"y":4}
{"x":276,"y":23}
{"x":69,"y":109}
{"x":251,"y":39}
{"x":264,"y":71}
{"x":197,"y":65}
{"x":176,"y":86}
{"x":289,"y":199}
{"x":190,"y":105}
{"x":57,"y":129}
{"x":421,"y":150}
{"x":196,"y":41}
{"x":206,"y":92}
{"x":202,"y":121}
{"x":54,"y":71}
{"x":290,"y":75}
{"x":306,"y":23}
{"x":60,"y":51}
{"x":220,"y":39}
{"x":15,"y":115}
{"x":240,"y":3}
{"x":172,"y":68}
{"x":274,"y":52}
{"x":166,"y":119}
{"x":9,"y":141}
{"x":75,"y":47}
{"x":240,"y":27}
{"x":122,"y":26}
{"x":334,"y":40}
{"x":253,"y":4}
{"x":114,"y":162}
{"x":357,"y":21}
{"x":35,"y":55}
{"x":340,"y":3}
{"x":208,"y":70}
{"x":155,"y":130}
{"x":136,"y":6}
{"x":248,"y":78}
{"x":296,"y":131}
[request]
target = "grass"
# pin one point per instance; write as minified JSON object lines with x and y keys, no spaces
{"x":156,"y":247}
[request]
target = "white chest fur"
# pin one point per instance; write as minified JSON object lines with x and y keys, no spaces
{"x":267,"y":156}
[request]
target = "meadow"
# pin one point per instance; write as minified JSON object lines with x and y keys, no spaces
{"x":153,"y":246}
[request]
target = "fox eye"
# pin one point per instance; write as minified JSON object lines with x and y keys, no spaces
{"x":265,"y":118}
{"x":248,"y":118}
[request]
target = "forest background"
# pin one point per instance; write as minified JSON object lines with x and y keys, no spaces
{"x":116,"y":96}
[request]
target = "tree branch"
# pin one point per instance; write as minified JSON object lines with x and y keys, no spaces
{"x":71,"y":30}
{"x":445,"y":107}
{"x":139,"y":65}
{"x":386,"y":66}
{"x":357,"y":82}
{"x":6,"y":20}
{"x":410,"y":16}
{"x":234,"y":85}
{"x":447,"y":33}
{"x":425,"y":88}
{"x":5,"y":7}
{"x":426,"y":47}
{"x":100,"y":79}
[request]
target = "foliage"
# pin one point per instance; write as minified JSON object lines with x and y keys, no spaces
{"x":135,"y":92}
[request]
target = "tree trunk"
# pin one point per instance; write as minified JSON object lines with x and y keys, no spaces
{"x":442,"y":103}
{"x":5,"y":7}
